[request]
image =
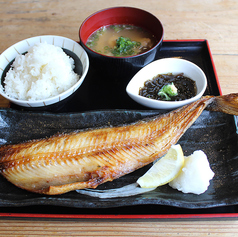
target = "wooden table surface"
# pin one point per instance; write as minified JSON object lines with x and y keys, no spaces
{"x":214,"y":20}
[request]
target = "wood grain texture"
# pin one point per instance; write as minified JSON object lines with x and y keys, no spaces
{"x":214,"y":20}
{"x":49,"y":227}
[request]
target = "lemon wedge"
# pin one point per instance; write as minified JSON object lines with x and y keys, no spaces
{"x":164,"y":170}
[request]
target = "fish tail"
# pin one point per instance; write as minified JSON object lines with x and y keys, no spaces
{"x":225,"y":103}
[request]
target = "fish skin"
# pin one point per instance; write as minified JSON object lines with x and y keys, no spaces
{"x":86,"y":159}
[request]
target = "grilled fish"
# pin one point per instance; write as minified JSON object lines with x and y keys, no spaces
{"x":86,"y":159}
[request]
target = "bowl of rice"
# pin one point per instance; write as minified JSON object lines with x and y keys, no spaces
{"x":42,"y":71}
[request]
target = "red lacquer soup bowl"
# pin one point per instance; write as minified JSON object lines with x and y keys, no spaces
{"x":119,"y":67}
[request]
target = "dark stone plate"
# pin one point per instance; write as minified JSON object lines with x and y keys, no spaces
{"x":214,"y":133}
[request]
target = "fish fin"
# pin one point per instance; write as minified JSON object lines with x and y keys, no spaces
{"x":226,"y":103}
{"x":55,"y":190}
{"x":60,"y":189}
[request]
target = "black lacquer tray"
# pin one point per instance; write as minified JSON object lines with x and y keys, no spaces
{"x":214,"y":133}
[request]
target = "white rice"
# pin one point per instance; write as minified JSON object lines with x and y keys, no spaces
{"x":45,"y":71}
{"x":195,"y":175}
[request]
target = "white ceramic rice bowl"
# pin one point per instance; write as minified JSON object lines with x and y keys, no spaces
{"x":21,"y":47}
{"x":164,"y":66}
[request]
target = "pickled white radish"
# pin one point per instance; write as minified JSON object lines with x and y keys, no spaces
{"x":195,"y":175}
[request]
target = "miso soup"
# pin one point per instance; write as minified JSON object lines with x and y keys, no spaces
{"x":121,"y":40}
